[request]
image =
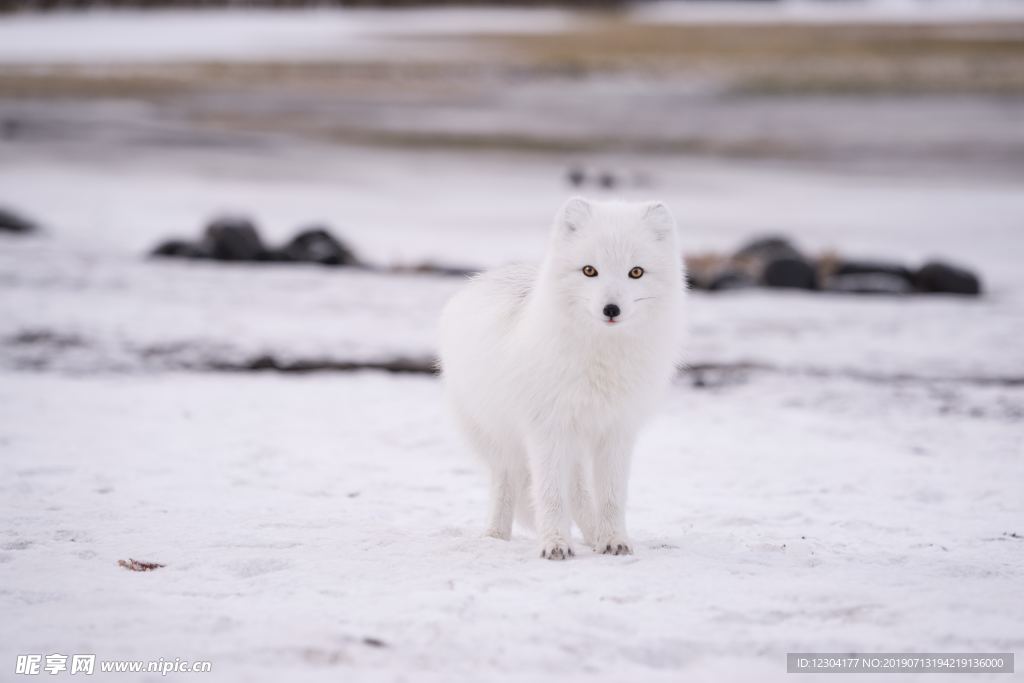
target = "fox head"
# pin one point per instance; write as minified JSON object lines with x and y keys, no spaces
{"x":614,"y":264}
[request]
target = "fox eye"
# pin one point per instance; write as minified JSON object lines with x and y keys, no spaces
{"x":636,"y":273}
{"x":590,"y":271}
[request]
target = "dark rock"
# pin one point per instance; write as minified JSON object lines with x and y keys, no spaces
{"x":788,"y":271}
{"x":318,"y":245}
{"x":866,"y":277}
{"x":777,"y":263}
{"x":607,"y":180}
{"x":12,"y":222}
{"x":576,"y":176}
{"x":869,"y":283}
{"x":703,"y":269}
{"x":939,"y":277}
{"x":767,"y":248}
{"x":276,"y":256}
{"x":730,"y":279}
{"x":873,"y":267}
{"x":232,"y":238}
{"x":181,"y":249}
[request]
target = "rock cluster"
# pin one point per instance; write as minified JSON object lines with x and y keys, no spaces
{"x":235,"y":238}
{"x":774,"y":261}
{"x":770,"y":261}
{"x":16,"y":223}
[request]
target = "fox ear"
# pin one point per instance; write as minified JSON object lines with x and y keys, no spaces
{"x":659,"y":220}
{"x":574,"y":216}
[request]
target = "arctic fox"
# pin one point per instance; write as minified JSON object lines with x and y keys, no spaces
{"x":550,"y":371}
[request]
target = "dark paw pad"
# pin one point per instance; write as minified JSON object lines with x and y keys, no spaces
{"x":557,"y":553}
{"x":617,"y":549}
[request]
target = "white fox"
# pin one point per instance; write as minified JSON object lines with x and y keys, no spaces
{"x":551,"y":371}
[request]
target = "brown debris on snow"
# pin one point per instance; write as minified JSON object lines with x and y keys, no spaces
{"x":136,"y":566}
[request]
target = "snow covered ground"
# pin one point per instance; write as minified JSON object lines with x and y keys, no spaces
{"x":85,"y":295}
{"x":101,"y":36}
{"x":816,"y":11}
{"x":836,"y":473}
{"x":104,"y":36}
{"x":298,"y":517}
{"x":859,"y":493}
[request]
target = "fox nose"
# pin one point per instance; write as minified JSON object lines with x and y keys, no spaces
{"x":611,"y":310}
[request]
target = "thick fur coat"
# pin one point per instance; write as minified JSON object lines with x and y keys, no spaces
{"x":550,"y":371}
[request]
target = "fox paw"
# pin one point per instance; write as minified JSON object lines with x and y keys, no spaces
{"x":556,"y":550}
{"x":614,"y":546}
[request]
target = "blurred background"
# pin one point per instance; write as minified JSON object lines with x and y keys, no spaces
{"x":212,"y":212}
{"x":874,"y":137}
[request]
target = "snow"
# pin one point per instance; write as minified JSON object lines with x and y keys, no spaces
{"x":232,"y":35}
{"x":85,"y":280}
{"x":858,"y":494}
{"x":836,"y":473}
{"x":298,"y":516}
{"x":127,"y":36}
{"x":818,"y":11}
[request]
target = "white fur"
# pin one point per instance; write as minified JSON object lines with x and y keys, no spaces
{"x":550,"y":393}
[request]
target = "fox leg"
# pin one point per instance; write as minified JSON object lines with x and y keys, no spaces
{"x":612,"y":458}
{"x":581,"y":502}
{"x":503,"y":503}
{"x":549,"y":477}
{"x":504,"y":486}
